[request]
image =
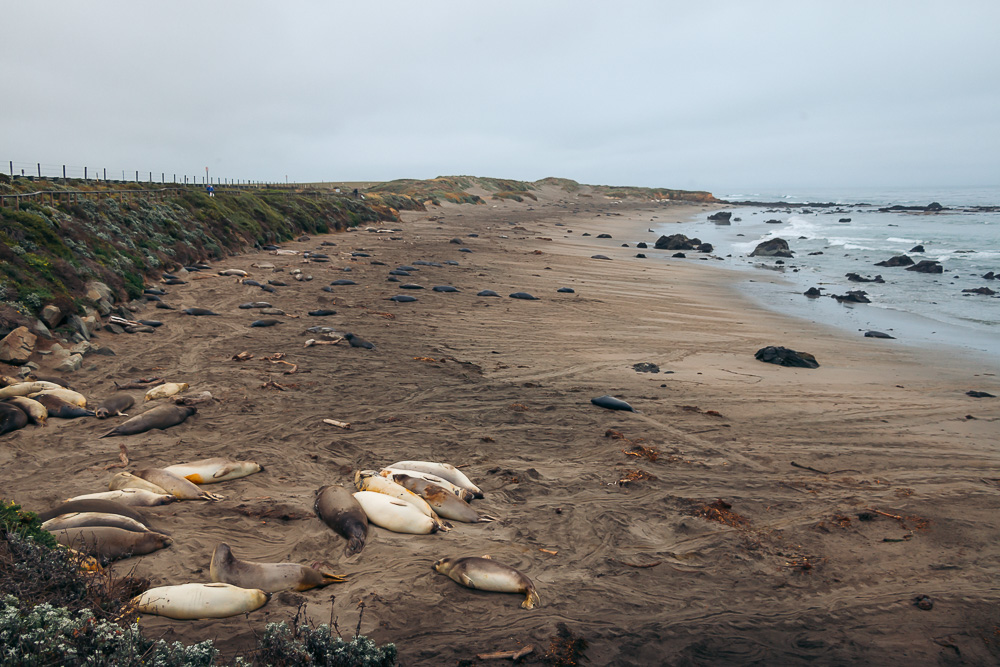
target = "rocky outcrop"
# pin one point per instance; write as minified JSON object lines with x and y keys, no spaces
{"x":813,"y":292}
{"x":676,"y":242}
{"x":783,"y":356}
{"x":776,"y":247}
{"x":17,"y":346}
{"x":854,"y":296}
{"x":721,"y":218}
{"x":927,"y":266}
{"x":855,"y":278}
{"x":705,"y":247}
{"x":844,"y":220}
{"x":985,"y":291}
{"x":917,"y":248}
{"x":898,"y":260}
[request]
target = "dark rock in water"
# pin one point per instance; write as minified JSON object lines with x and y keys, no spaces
{"x":934,"y":206}
{"x":782,"y":356}
{"x":599,"y":257}
{"x":640,"y":256}
{"x":566,"y":290}
{"x":676,"y":242}
{"x":358,"y":341}
{"x":641,"y":244}
{"x":198,"y":311}
{"x":856,"y":278}
{"x":926,"y":266}
{"x":878,"y":334}
{"x":487,"y":292}
{"x":343,"y":281}
{"x":625,"y":245}
{"x":854,"y":296}
{"x":721,"y":216}
{"x":772,"y":222}
{"x":917,"y":248}
{"x":612,"y":403}
{"x":776,"y":247}
{"x":411,"y":286}
{"x":705,"y":247}
{"x":523,"y":295}
{"x":322,"y":312}
{"x":646,"y":368}
{"x":265,"y":323}
{"x":898,"y":260}
{"x":443,"y":288}
{"x":679,"y":255}
{"x":813,"y":292}
{"x":604,"y":236}
{"x":986,"y":291}
{"x":402,"y":298}
{"x":844,"y":220}
{"x":979,"y":394}
{"x":990,"y":276}
{"x":818,"y":252}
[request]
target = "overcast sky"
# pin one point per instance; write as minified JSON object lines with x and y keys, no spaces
{"x":723,"y":96}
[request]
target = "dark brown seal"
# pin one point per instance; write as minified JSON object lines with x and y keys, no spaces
{"x":93,"y":505}
{"x":161,"y":417}
{"x":112,"y":543}
{"x":11,"y":418}
{"x":62,"y":409}
{"x":341,"y":511}
{"x":114,"y":405}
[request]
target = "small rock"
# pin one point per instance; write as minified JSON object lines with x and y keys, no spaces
{"x":917,"y":248}
{"x":776,"y":247}
{"x":898,"y":260}
{"x":646,"y":368}
{"x":923,"y":601}
{"x":926,"y":266}
{"x":986,"y":291}
{"x":70,"y":363}
{"x":813,"y":292}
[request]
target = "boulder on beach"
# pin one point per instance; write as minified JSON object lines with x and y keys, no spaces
{"x":854,"y":296}
{"x":856,"y":278}
{"x":641,"y":244}
{"x":985,"y":291}
{"x":776,"y":247}
{"x":813,"y":292}
{"x":705,"y":247}
{"x":722,"y":217}
{"x":783,"y":356}
{"x":898,"y":260}
{"x":676,"y":242}
{"x":17,"y":346}
{"x":926,"y":266}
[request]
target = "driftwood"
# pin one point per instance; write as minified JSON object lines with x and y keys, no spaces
{"x":338,"y":424}
{"x":123,"y":455}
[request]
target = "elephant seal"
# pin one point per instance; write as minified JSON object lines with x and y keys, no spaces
{"x":358,"y":341}
{"x":25,"y":388}
{"x":254,"y":304}
{"x":523,"y":295}
{"x":343,"y":281}
{"x":340,"y":510}
{"x":12,"y":418}
{"x":114,"y":405}
{"x":59,"y":408}
{"x":68,"y":395}
{"x":211,"y":471}
{"x":487,"y":292}
{"x":161,"y":417}
{"x":321,"y":312}
{"x":130,"y":497}
{"x":442,"y":470}
{"x":175,"y":484}
{"x":268,"y":577}
{"x":112,"y":543}
{"x":399,"y":272}
{"x":464,"y":494}
{"x":369,"y":480}
{"x":411,"y":286}
{"x":566,"y":290}
{"x":126,"y":480}
{"x":485,"y":574}
{"x":194,"y":601}
{"x":612,"y":403}
{"x":402,"y":298}
{"x":94,"y":505}
{"x":444,"y":288}
{"x":198,"y":311}
{"x":165,"y":390}
{"x":265,"y":323}
{"x":92,"y":520}
{"x":395,"y":515}
{"x":444,"y":503}
{"x":37,"y":413}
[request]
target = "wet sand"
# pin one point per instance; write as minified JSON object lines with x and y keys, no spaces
{"x":644,"y":570}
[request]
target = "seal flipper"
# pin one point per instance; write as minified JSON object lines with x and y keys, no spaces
{"x":355,"y":544}
{"x":466,"y":580}
{"x":531,"y":600}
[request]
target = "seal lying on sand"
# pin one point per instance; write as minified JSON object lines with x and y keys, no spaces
{"x":269,"y":577}
{"x":175,"y":484}
{"x":442,"y":501}
{"x":211,"y":471}
{"x":37,"y":413}
{"x":130,"y":497}
{"x":57,"y":407}
{"x":12,"y":418}
{"x":369,"y":480}
{"x":94,"y":505}
{"x":193,"y":601}
{"x":395,"y":515}
{"x":110,"y":542}
{"x":442,"y":470}
{"x":340,"y":510}
{"x":91,"y":520}
{"x":612,"y":403}
{"x":161,"y":417}
{"x":485,"y":574}
{"x":114,"y":405}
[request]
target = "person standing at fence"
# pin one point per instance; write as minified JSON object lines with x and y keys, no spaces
{"x":211,"y":191}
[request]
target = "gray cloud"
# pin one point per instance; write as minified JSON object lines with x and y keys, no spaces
{"x":719,"y":95}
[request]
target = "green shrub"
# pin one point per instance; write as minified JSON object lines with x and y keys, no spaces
{"x":283,"y":647}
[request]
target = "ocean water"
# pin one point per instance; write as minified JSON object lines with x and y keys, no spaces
{"x":927,"y":310}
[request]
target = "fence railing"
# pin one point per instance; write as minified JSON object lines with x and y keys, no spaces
{"x":40,"y":170}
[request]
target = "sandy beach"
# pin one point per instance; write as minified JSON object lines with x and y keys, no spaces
{"x":746,"y":514}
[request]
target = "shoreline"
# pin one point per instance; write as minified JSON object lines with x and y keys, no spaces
{"x":503,"y":387}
